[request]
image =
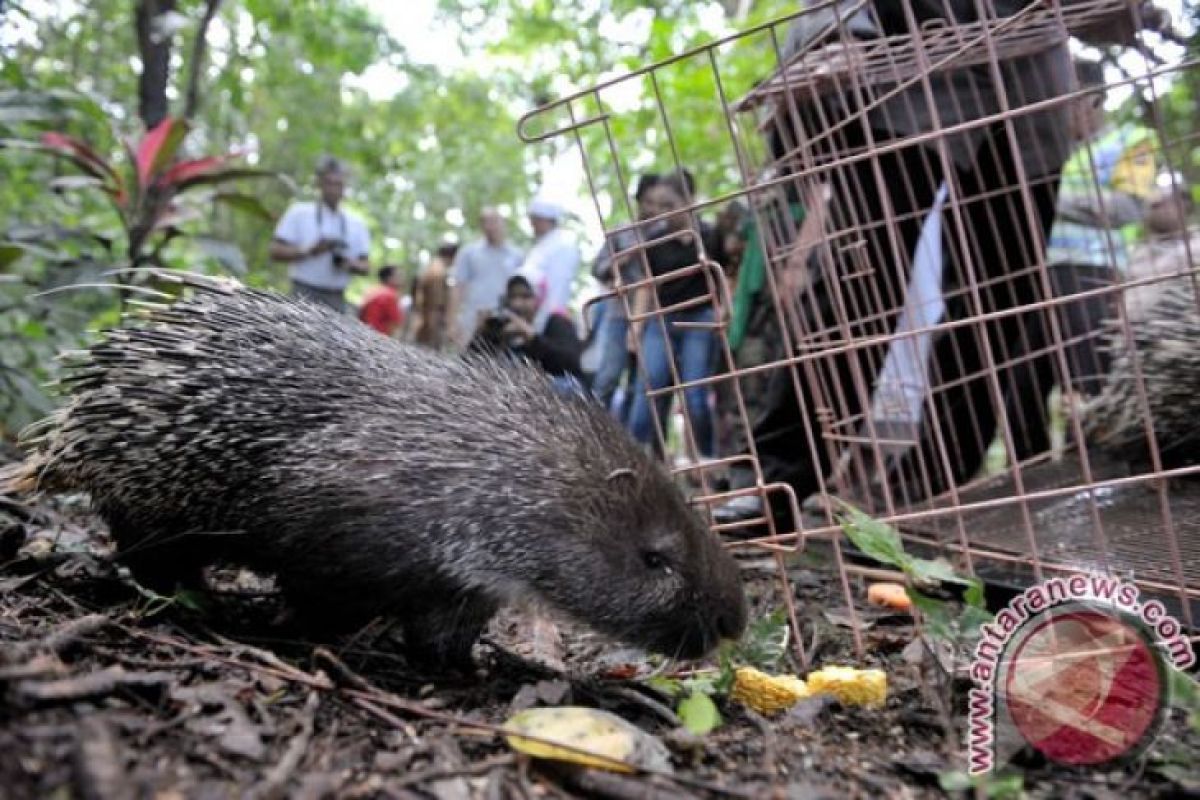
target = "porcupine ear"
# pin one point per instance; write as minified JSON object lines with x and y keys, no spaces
{"x":623,"y":478}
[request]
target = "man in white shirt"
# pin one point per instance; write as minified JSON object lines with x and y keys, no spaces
{"x":323,"y":243}
{"x":552,"y":262}
{"x":481,"y":273}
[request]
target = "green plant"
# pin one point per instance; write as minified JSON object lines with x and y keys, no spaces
{"x":109,"y":212}
{"x":764,"y":646}
{"x":1006,"y":786}
{"x":943,"y":620}
{"x":152,"y":192}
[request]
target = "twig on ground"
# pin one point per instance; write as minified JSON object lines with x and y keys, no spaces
{"x":87,"y":687}
{"x":283,"y":670}
{"x":61,"y":638}
{"x":337,"y":669}
{"x":138,"y":662}
{"x":265,"y":656}
{"x":43,"y":666}
{"x":388,"y":717}
{"x":275,"y":784}
{"x":638,"y":698}
{"x":459,"y":771}
{"x":99,"y":767}
{"x":769,"y":757}
{"x":619,"y":787}
{"x":153,"y":731}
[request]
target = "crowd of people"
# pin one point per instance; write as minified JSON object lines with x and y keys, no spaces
{"x":491,"y":296}
{"x":1065,"y":186}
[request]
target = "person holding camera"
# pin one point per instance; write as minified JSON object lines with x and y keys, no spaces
{"x":509,"y":331}
{"x":323,"y":243}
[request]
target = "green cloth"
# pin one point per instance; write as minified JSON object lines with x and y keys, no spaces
{"x":752,"y":276}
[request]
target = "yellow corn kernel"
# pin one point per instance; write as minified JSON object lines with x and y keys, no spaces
{"x":765,"y":693}
{"x":852,"y":687}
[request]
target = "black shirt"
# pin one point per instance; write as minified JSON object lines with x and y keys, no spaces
{"x":676,"y":254}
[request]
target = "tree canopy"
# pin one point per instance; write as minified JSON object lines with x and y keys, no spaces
{"x":285,"y":81}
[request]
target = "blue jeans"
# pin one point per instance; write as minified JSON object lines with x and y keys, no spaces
{"x":568,"y":385}
{"x":614,"y":355}
{"x":692,"y":348}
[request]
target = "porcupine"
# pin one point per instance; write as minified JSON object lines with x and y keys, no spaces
{"x":1165,"y":324}
{"x":243,"y":427}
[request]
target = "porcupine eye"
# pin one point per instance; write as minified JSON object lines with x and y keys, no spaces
{"x":656,"y":561}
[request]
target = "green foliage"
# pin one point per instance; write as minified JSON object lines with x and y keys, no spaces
{"x":135,"y":203}
{"x":1185,"y":694}
{"x":1006,"y":786}
{"x":763,"y":646}
{"x":283,"y":81}
{"x":674,"y":118}
{"x":944,"y":620}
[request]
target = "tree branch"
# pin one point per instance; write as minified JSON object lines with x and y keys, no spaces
{"x":199,"y":52}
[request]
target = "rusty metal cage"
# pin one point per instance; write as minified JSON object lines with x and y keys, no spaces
{"x":904,"y":167}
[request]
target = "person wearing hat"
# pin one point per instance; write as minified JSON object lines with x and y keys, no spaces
{"x":552,"y":262}
{"x":323,"y":243}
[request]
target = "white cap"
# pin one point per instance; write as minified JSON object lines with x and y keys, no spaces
{"x":546,"y":209}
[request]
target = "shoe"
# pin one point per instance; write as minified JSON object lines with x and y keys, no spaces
{"x":738,"y":509}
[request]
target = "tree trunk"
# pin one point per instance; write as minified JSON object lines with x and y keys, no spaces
{"x":196,"y":68}
{"x":155,"y":52}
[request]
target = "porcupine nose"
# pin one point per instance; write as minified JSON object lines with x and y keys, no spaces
{"x":731,"y":620}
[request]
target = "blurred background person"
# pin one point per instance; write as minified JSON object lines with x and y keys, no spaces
{"x":616,"y":362}
{"x":323,"y":243}
{"x":552,"y":262}
{"x":481,"y":271}
{"x":673,"y":335}
{"x":380,"y":307}
{"x":510,"y":332}
{"x":431,"y":300}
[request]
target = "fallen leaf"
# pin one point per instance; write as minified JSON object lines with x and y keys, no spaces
{"x":699,"y":713}
{"x":586,"y":736}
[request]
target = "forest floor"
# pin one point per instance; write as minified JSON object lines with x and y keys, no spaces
{"x":106,"y":692}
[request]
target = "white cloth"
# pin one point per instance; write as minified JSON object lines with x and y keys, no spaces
{"x":305,"y":224}
{"x":482,"y":271}
{"x":904,"y":379}
{"x":546,"y":209}
{"x":550,"y":267}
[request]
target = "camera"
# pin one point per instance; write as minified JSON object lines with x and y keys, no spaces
{"x":339,"y":255}
{"x":491,"y":329}
{"x":337,"y":251}
{"x":494,"y":322}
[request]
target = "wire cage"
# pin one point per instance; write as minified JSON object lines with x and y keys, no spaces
{"x":948,"y":280}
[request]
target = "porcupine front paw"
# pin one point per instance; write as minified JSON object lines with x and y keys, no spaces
{"x":163,"y":564}
{"x":441,"y":637}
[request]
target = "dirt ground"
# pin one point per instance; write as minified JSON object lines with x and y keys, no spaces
{"x":110,"y":693}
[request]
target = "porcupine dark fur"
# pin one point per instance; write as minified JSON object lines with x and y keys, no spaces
{"x":1164,"y":320}
{"x":243,"y":427}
